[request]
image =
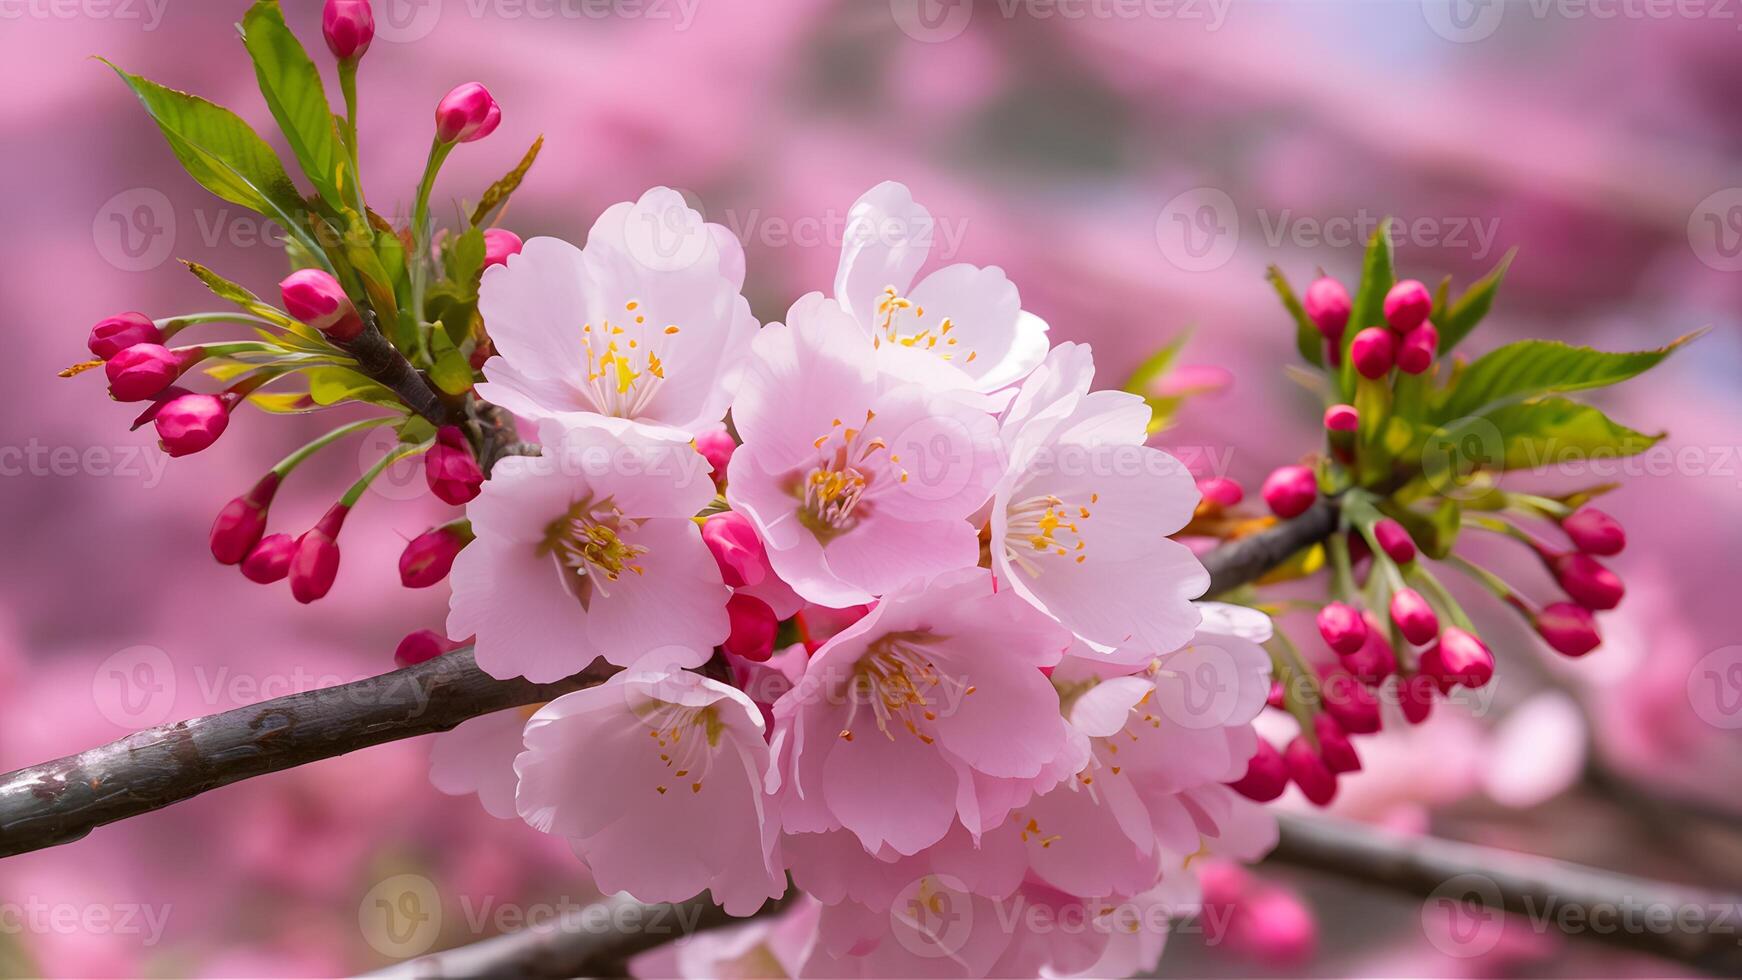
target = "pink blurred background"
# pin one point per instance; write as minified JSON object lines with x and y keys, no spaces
{"x":1134,"y":166}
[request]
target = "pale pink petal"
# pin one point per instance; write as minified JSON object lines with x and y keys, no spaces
{"x":886,"y":241}
{"x":478,"y":757}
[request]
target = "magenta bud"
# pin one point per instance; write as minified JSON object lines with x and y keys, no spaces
{"x":1415,"y":695}
{"x":1374,"y":352}
{"x":1568,"y":627}
{"x":1375,"y":661}
{"x":1221,"y":491}
{"x":1594,"y":532}
{"x":451,"y":469}
{"x":754,"y":626}
{"x":1415,"y":354}
{"x":117,"y":333}
{"x":467,"y":113}
{"x":163,"y":398}
{"x":1352,"y":704}
{"x":1277,"y":698}
{"x":716,"y":447}
{"x":1407,"y":305}
{"x":737,"y":549}
{"x":499,"y":243}
{"x":316,"y":561}
{"x":240,"y":524}
{"x":348,"y":26}
{"x":1394,"y":541}
{"x":191,"y":422}
{"x":1289,"y":490}
{"x":1309,"y":772}
{"x":429,"y":557}
{"x":1458,"y":658}
{"x":1586,"y":579}
{"x":422,"y":645}
{"x":1266,"y":775}
{"x":317,"y":299}
{"x":1334,"y":745}
{"x":143,"y":371}
{"x":269,"y":560}
{"x":1415,"y":619}
{"x":1327,"y":306}
{"x":1342,"y":627}
{"x":1342,"y":418}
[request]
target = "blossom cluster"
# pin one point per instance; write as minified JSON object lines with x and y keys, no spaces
{"x":1000,"y":689}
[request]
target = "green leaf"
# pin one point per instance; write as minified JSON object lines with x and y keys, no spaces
{"x":1367,"y":307}
{"x":1530,"y":368}
{"x":1145,"y":382}
{"x":1307,"y":338}
{"x":240,"y":295}
{"x":293,"y":90}
{"x":463,"y":259}
{"x":220,"y":151}
{"x":332,"y":385}
{"x":499,"y":191}
{"x":284,"y":402}
{"x":1461,"y":317}
{"x":1554,"y":432}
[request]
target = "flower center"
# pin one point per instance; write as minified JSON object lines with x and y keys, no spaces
{"x":687,"y":737}
{"x":832,"y":493}
{"x":901,"y":321}
{"x":1046,"y":527}
{"x":587,"y":545}
{"x":899,"y":683}
{"x":623,"y":363}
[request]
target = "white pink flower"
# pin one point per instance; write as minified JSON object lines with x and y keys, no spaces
{"x":589,"y":551}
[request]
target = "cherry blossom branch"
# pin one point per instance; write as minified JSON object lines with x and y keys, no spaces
{"x":380,"y":361}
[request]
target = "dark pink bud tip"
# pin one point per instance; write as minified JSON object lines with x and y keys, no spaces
{"x":143,"y":371}
{"x":1221,"y":491}
{"x":1394,"y":541}
{"x":269,"y":561}
{"x":1342,"y":418}
{"x":317,"y":299}
{"x":1375,"y":661}
{"x":736,"y":548}
{"x":1415,"y":354}
{"x":1352,"y":704}
{"x":1334,"y":745}
{"x":1413,"y":616}
{"x":1309,"y":772}
{"x":717,"y":447}
{"x":240,"y":524}
{"x":429,"y":557}
{"x":117,"y":333}
{"x":191,"y":422}
{"x":316,"y":561}
{"x":422,"y":645}
{"x":1266,"y":775}
{"x":1586,"y":579}
{"x":467,"y":113}
{"x":1569,"y":628}
{"x":1374,"y":352}
{"x":1289,"y":490}
{"x":499,"y":244}
{"x":1342,"y":627}
{"x":1459,"y":658}
{"x":1594,"y":532}
{"x":1407,"y":305}
{"x":1327,"y":306}
{"x":348,"y":26}
{"x":753,"y":628}
{"x":1415,"y":695}
{"x":451,"y":469}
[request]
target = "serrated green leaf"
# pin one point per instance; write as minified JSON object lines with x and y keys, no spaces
{"x":1307,"y":338}
{"x":1553,"y":432}
{"x":1530,"y":368}
{"x":293,"y":90}
{"x":1462,"y":316}
{"x":499,"y":191}
{"x":1367,"y":306}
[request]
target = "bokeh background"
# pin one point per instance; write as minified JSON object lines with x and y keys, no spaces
{"x":1133,"y":164}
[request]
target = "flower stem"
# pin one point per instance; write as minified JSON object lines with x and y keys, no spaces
{"x":296,"y":458}
{"x":398,"y":453}
{"x":348,"y":85}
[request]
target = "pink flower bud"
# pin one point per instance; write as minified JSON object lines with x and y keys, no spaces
{"x":1327,"y":306}
{"x":348,"y":26}
{"x":1375,"y":661}
{"x":1374,"y":352}
{"x":753,"y":628}
{"x":1461,"y":658}
{"x":191,"y":422}
{"x":1221,"y":491}
{"x":1342,"y":418}
{"x":1309,"y":772}
{"x":240,"y":524}
{"x":1353,"y":705}
{"x":1335,"y":748}
{"x":499,"y":243}
{"x":1415,"y":695}
{"x":1586,"y":579}
{"x":1266,"y":775}
{"x":422,"y":645}
{"x":1275,"y":928}
{"x":717,"y":447}
{"x":142,"y":371}
{"x":1416,"y":352}
{"x":1407,"y":305}
{"x":1394,"y":541}
{"x":1568,"y":627}
{"x":316,"y":561}
{"x":1413,"y":616}
{"x":429,"y":557}
{"x":467,"y":113}
{"x":117,"y":333}
{"x":453,"y":473}
{"x":317,"y":299}
{"x":1342,"y":627}
{"x":269,"y":560}
{"x":1594,"y":532}
{"x":1277,"y":698}
{"x":736,"y":548}
{"x":1289,"y":490}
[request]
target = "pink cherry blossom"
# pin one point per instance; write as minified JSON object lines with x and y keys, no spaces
{"x":856,"y":481}
{"x":644,"y":323}
{"x":477,"y":757}
{"x":589,"y":551}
